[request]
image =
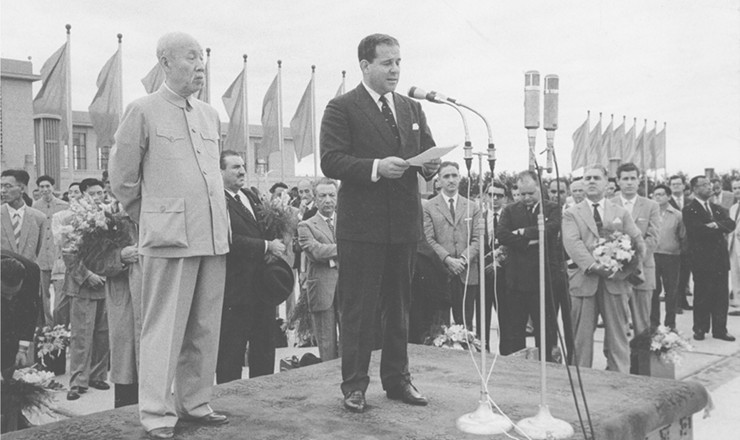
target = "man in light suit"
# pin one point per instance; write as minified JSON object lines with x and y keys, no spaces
{"x":23,"y":227}
{"x":706,"y":226}
{"x":164,"y":170}
{"x":318,"y":241}
{"x":678,"y":200}
{"x":50,"y":254}
{"x":733,"y":246}
{"x":721,"y":196}
{"x":593,"y":289}
{"x":646,"y":214}
{"x":452,"y":227}
{"x":366,"y":136}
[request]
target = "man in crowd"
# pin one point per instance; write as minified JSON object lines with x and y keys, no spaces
{"x":733,"y":240}
{"x":277,"y":190}
{"x":593,"y":290}
{"x":678,"y":200}
{"x":612,"y":187}
{"x":671,"y":242}
{"x":164,"y":170}
{"x":50,"y":253}
{"x":646,"y":214}
{"x":720,"y":196}
{"x":88,"y":345}
{"x":559,"y":189}
{"x":306,"y":209}
{"x":317,"y":238}
{"x":245,"y":317}
{"x":455,"y":240}
{"x":495,"y":274}
{"x":520,"y":234}
{"x":366,"y":135}
{"x":578,"y":191}
{"x":706,"y":226}
{"x":23,"y":226}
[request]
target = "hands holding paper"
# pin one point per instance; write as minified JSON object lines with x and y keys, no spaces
{"x":393,"y":167}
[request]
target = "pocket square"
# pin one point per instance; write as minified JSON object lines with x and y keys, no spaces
{"x":415,"y":126}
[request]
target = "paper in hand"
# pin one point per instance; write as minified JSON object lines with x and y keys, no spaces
{"x":429,"y":155}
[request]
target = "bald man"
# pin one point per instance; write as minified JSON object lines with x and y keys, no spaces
{"x":164,"y":169}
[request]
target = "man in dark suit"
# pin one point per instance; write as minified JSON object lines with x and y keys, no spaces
{"x":706,"y":226}
{"x":366,"y":135}
{"x":244,"y":317}
{"x":518,"y":231}
{"x":678,"y":200}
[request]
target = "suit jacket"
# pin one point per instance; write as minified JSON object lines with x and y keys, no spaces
{"x":354,"y":134}
{"x":724,"y":199}
{"x":733,"y":239}
{"x":32,"y":232}
{"x":164,"y":169}
{"x":707,"y":246}
{"x":320,"y":248}
{"x":49,"y":252}
{"x":580,"y":235}
{"x":19,"y":314}
{"x":523,"y":250}
{"x":456,"y":238}
{"x":246,"y":258}
{"x":646,"y":214}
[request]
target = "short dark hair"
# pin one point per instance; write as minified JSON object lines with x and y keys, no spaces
{"x":366,"y":49}
{"x":45,"y":178}
{"x":12,"y":271}
{"x":664,"y":187}
{"x":20,"y":176}
{"x":676,"y":176}
{"x":224,"y":155}
{"x":90,"y":181}
{"x":627,"y":167}
{"x":527,"y":174}
{"x":694,"y":182}
{"x":276,"y":186}
{"x":325,"y":181}
{"x":73,"y":184}
{"x":449,"y":163}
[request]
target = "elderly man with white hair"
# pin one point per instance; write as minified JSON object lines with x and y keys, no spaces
{"x":164,"y":169}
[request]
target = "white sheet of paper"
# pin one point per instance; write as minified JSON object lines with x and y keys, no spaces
{"x":430,"y":154}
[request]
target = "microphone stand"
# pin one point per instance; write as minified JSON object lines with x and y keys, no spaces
{"x":543,"y":425}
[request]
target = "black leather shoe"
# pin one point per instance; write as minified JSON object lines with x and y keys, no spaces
{"x":726,"y":337}
{"x":355,"y":401}
{"x":699,"y":336}
{"x":73,"y":393}
{"x":407,"y":393}
{"x":99,"y":385}
{"x":212,"y":419}
{"x":161,"y":433}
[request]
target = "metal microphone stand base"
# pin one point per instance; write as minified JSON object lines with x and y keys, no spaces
{"x":483,"y":421}
{"x":545,"y":426}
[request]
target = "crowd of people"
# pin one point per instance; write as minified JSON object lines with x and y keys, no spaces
{"x":377,"y":266}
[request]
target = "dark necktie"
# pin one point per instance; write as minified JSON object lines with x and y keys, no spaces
{"x":16,"y":221}
{"x":495,"y":220}
{"x":389,"y":119}
{"x":597,"y":217}
{"x":239,"y":199}
{"x":452,"y":209}
{"x":330,"y":224}
{"x":709,"y":210}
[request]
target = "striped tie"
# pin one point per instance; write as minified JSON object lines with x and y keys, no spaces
{"x":16,"y":221}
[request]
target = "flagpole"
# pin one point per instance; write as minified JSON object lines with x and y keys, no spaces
{"x":207,"y":85}
{"x":120,"y":75}
{"x":68,"y":98}
{"x":280,"y":120}
{"x":588,"y":143}
{"x":312,"y":110}
{"x":644,"y":163}
{"x":248,"y":153}
{"x":344,"y":74}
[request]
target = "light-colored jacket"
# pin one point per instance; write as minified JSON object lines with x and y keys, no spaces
{"x":733,"y":238}
{"x":32,"y":232}
{"x":454,"y":239}
{"x":646,"y":214}
{"x":49,"y":253}
{"x":164,"y":169}
{"x":320,"y":248}
{"x":580,"y":235}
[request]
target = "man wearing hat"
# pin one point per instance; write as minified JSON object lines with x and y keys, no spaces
{"x":248,"y":312}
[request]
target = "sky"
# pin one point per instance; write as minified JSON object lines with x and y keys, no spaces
{"x":671,"y":61}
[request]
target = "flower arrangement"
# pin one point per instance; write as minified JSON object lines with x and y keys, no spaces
{"x":455,"y":337}
{"x":664,"y":342}
{"x":51,"y":341}
{"x":614,"y":250}
{"x":31,"y":375}
{"x":278,"y":218}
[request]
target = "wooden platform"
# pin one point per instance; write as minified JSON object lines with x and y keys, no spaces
{"x":306,"y":404}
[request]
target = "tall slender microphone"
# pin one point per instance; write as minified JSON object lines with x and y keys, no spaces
{"x":551,"y":91}
{"x":417,"y":93}
{"x":531,"y":110}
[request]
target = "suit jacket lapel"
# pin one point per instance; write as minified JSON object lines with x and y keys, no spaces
{"x":442,"y":206}
{"x":366,"y":104}
{"x":588,"y":215}
{"x":323,"y":227}
{"x":403,"y":119}
{"x":241,"y":210}
{"x":8,"y":228}
{"x":25,"y":230}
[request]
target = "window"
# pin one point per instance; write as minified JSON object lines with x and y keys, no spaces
{"x":103,"y":154}
{"x":79,"y":151}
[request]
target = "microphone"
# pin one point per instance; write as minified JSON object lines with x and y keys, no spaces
{"x":551,"y":91}
{"x":419,"y":93}
{"x":531,"y":110}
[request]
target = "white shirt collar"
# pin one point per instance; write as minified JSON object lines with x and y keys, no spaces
{"x":333,"y":215}
{"x":376,"y":97}
{"x":447,"y":199}
{"x":20,"y":211}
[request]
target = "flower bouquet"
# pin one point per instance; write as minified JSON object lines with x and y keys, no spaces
{"x":95,"y":236}
{"x":51,"y":344}
{"x":455,"y":337}
{"x":26,"y":396}
{"x":278,"y":218}
{"x":616,"y":251}
{"x":658,"y":350}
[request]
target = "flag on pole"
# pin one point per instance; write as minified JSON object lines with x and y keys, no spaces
{"x":594,"y":151}
{"x":235,"y":101}
{"x":204,"y":94}
{"x":637,"y":157}
{"x":618,"y":142}
{"x":301,"y":126}
{"x":105,"y":108}
{"x":271,"y":121}
{"x":578,"y":153}
{"x":606,"y":143}
{"x":340,"y":90}
{"x":53,"y":97}
{"x":630,"y":144}
{"x":154,"y":79}
{"x":659,"y":150}
{"x":648,"y":147}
